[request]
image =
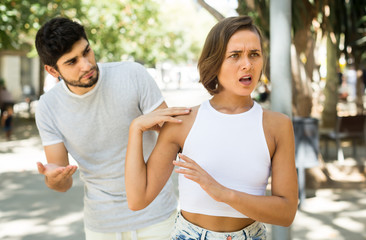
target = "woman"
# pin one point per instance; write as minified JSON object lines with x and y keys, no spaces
{"x":230,"y":146}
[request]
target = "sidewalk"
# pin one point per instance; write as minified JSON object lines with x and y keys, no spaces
{"x":30,"y":211}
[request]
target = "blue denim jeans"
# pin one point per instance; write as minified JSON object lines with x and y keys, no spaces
{"x":184,"y":230}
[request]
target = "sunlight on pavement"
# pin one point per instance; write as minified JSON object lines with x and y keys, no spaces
{"x":322,"y":233}
{"x":350,"y":224}
{"x":28,"y":226}
{"x":68,"y":219}
{"x":318,"y":205}
{"x":61,"y":225}
{"x":332,"y":214}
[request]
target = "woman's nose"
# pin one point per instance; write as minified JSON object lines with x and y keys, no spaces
{"x":245,"y":63}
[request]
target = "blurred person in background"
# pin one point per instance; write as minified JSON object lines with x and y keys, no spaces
{"x":351,"y":79}
{"x":6,"y":106}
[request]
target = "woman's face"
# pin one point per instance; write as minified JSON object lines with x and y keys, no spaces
{"x":242,"y":65}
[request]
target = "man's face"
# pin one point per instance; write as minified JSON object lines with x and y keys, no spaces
{"x":78,"y":68}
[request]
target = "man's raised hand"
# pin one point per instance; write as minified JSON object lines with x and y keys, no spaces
{"x":58,"y":177}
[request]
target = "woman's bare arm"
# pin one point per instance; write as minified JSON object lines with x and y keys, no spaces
{"x":145,"y":181}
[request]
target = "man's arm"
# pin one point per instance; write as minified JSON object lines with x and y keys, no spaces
{"x":58,"y":173}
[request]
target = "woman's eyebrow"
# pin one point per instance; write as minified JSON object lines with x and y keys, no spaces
{"x":240,"y":51}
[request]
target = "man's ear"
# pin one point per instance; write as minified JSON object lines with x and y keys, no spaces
{"x":52,"y":71}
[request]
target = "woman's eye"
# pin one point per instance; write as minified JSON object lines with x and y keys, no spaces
{"x":235,"y":55}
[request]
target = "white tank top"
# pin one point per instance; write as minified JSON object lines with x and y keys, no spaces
{"x":232,"y":148}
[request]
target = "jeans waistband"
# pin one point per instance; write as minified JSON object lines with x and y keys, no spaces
{"x":244,"y":233}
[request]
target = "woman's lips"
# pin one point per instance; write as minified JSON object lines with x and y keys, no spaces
{"x":246,"y":80}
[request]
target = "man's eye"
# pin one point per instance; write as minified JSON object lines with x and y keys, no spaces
{"x":86,"y":51}
{"x":254,"y":54}
{"x":71,"y":62}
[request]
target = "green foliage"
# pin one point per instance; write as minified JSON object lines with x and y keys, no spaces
{"x":259,"y":12}
{"x":122,"y":30}
{"x":20,"y":19}
{"x":117,"y":29}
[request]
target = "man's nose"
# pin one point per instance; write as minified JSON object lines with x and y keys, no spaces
{"x":85,"y":64}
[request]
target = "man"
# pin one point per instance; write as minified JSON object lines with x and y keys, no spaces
{"x":87,"y":115}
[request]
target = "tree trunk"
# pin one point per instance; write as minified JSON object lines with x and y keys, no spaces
{"x":41,"y":78}
{"x":360,"y":92}
{"x":301,"y":88}
{"x":329,"y":115}
{"x":359,"y":86}
{"x":302,"y":73}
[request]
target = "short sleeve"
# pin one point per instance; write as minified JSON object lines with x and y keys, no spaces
{"x":46,"y":127}
{"x":149,"y":93}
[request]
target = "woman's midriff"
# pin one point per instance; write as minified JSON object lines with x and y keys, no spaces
{"x":217,"y":224}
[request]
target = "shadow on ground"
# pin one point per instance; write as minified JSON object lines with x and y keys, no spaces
{"x":29,"y":210}
{"x":24,"y":129}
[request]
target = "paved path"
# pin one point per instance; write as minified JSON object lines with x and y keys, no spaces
{"x":30,"y":211}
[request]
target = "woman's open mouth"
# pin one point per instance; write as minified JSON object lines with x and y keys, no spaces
{"x":246,"y":80}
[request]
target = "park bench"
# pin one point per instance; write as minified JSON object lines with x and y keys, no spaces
{"x":348,"y":128}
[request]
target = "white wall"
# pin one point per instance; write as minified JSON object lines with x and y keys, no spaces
{"x":35,"y":74}
{"x":10,"y":72}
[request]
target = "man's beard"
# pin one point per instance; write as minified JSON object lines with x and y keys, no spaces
{"x":90,"y":83}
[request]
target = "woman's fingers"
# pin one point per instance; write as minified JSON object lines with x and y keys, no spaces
{"x":187,"y":163}
{"x":174,"y":111}
{"x":185,"y":158}
{"x":159,"y":117}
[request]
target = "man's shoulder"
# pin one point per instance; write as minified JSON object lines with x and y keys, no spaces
{"x":52,"y":96}
{"x":127,"y":71}
{"x":125,"y":65}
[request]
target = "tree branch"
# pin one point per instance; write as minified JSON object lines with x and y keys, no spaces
{"x":211,"y":10}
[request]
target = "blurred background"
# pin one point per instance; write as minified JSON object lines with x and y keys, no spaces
{"x":326,"y":98}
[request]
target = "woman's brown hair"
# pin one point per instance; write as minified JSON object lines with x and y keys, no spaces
{"x":214,"y":49}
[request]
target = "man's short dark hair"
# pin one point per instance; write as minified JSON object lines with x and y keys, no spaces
{"x":56,"y":37}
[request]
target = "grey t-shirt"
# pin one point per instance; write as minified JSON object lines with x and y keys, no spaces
{"x":94,"y":128}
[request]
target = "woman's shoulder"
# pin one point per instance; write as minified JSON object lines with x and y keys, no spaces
{"x":191,"y":115}
{"x":177,"y":132}
{"x":276,"y":123}
{"x":278,"y":130}
{"x":272,"y":117}
{"x":187,"y":120}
